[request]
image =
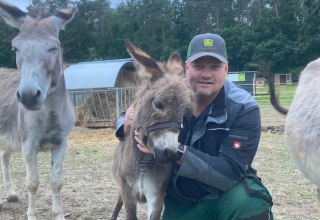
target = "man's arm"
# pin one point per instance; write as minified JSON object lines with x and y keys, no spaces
{"x":235,"y":156}
{"x":124,"y":123}
{"x":119,"y":127}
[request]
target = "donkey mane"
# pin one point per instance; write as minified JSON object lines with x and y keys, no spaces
{"x":39,"y":12}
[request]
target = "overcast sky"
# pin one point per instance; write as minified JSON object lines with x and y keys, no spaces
{"x":22,"y":4}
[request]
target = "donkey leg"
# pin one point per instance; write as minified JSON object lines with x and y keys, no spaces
{"x":57,"y":156}
{"x":6,"y":172}
{"x":130,"y":203}
{"x":155,"y":204}
{"x":117,"y":208}
{"x":32,"y":180}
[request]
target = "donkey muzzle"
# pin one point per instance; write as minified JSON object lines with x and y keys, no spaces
{"x":30,"y":99}
{"x":165,"y":155}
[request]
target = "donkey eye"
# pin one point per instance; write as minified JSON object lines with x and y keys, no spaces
{"x":52,"y":49}
{"x":157,"y":105}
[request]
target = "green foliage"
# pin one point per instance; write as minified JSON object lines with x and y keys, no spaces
{"x":7,"y":57}
{"x":283,"y":33}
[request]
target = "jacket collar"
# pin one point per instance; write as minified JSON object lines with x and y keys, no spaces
{"x":215,"y":113}
{"x":218,"y":110}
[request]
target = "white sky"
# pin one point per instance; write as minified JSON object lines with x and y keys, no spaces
{"x":22,"y":4}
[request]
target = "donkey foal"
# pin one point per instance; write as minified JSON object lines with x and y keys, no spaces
{"x":159,"y":109}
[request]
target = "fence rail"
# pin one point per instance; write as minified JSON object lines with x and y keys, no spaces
{"x":106,"y":105}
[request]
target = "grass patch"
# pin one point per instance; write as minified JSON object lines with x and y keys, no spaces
{"x":285,"y":93}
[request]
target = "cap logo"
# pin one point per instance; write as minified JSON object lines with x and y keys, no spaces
{"x":208,"y":42}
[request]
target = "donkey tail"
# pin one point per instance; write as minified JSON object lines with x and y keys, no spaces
{"x":117,"y":208}
{"x":266,"y":70}
{"x":274,"y":99}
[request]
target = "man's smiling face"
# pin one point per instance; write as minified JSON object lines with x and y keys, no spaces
{"x":206,"y":76}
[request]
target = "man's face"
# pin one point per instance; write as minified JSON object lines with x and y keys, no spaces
{"x":206,"y":76}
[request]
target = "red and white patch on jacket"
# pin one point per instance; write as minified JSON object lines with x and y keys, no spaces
{"x":236,"y":145}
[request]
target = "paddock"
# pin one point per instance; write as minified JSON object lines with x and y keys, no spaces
{"x":90,"y":191}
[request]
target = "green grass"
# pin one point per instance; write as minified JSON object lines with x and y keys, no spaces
{"x":285,"y":93}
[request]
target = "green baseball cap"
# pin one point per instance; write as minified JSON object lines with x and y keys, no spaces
{"x":207,"y":45}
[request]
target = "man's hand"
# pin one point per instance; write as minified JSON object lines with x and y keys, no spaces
{"x":128,"y":120}
{"x":140,"y":144}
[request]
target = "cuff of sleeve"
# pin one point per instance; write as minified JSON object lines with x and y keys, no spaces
{"x":120,"y":134}
{"x":190,"y":166}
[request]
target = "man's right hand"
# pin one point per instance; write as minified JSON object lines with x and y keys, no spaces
{"x":143,"y":148}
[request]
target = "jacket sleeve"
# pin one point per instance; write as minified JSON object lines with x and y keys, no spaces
{"x":235,"y":155}
{"x":119,"y":127}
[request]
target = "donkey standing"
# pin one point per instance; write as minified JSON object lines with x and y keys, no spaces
{"x":302,"y":127}
{"x":35,"y":111}
{"x":159,"y":109}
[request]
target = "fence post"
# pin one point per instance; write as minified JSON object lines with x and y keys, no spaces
{"x":117,"y":103}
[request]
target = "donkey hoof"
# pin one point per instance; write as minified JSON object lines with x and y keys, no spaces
{"x":13,"y":198}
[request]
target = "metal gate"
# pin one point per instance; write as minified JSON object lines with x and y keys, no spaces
{"x":103,"y":106}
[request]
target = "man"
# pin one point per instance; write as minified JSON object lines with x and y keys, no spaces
{"x":213,"y":178}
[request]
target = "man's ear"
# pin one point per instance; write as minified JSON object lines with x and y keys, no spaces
{"x":186,"y":65}
{"x":227,"y":67}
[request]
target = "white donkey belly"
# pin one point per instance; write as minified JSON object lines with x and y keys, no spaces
{"x":148,"y":189}
{"x":145,"y":186}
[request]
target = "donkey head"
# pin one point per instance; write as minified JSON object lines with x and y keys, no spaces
{"x":162,"y":103}
{"x":38,"y":52}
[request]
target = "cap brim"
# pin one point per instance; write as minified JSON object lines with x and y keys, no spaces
{"x":202,"y":54}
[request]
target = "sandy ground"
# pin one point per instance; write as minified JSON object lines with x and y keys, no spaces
{"x":90,"y":191}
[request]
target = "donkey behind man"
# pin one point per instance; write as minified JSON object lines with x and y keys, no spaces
{"x":35,"y":111}
{"x":159,"y":109}
{"x":302,"y":126}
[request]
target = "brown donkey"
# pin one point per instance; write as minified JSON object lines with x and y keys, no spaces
{"x":36,"y":113}
{"x":159,"y":109}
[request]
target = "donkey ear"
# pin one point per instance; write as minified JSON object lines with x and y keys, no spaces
{"x":62,"y":17}
{"x":175,"y":64}
{"x":151,"y":66}
{"x":12,"y":15}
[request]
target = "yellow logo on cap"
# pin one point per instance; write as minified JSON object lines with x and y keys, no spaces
{"x":208,"y":42}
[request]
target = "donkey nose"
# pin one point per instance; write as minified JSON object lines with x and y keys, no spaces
{"x":29,"y":98}
{"x":38,"y":94}
{"x":164,"y":155}
{"x":169,"y":154}
{"x":29,"y":95}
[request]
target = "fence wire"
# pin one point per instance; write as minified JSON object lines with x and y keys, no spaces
{"x":106,"y":105}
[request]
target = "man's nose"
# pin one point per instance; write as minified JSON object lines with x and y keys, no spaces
{"x":206,"y":72}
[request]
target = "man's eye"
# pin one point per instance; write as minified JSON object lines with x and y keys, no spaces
{"x":215,"y":67}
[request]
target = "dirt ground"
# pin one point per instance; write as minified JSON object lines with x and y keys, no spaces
{"x":90,"y":191}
